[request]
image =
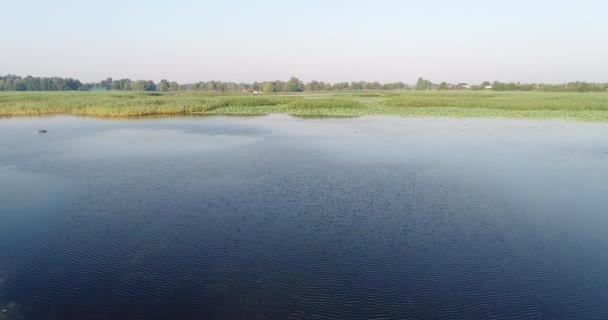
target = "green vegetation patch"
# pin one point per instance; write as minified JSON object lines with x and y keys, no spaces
{"x":249,"y":101}
{"x":320,"y":104}
{"x":516,"y":101}
{"x":368,"y":95}
{"x":101,"y":104}
{"x":592,"y":106}
{"x":358,"y":95}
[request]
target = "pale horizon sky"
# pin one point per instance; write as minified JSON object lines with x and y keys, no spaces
{"x":332,"y":41}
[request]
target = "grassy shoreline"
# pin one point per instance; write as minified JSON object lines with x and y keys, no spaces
{"x":591,"y":107}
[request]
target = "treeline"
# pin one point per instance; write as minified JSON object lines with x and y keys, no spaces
{"x":578,"y":86}
{"x":294,"y":85}
{"x":29,"y":83}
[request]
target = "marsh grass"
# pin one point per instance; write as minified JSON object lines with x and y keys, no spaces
{"x":360,"y":95}
{"x":391,"y":94}
{"x":516,"y":101}
{"x":538,"y":105}
{"x":248,"y":101}
{"x":101,"y":104}
{"x":295,"y":105}
{"x":325,"y":104}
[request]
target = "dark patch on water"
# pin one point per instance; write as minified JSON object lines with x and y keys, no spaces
{"x":274,"y":218}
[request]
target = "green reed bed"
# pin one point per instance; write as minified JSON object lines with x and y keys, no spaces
{"x":101,"y":104}
{"x":242,"y":104}
{"x":296,"y":105}
{"x":486,"y":104}
{"x":359,"y":95}
{"x":516,"y":101}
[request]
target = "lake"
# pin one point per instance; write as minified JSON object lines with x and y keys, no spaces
{"x":276,"y":217}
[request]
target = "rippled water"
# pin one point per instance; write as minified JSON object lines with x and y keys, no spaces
{"x":275,"y":217}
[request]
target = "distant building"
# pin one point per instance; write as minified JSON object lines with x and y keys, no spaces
{"x":99,"y":89}
{"x":488,"y":87}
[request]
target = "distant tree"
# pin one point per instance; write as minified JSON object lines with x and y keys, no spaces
{"x":143,"y":85}
{"x":443,"y":86}
{"x":138,"y":85}
{"x":117,"y":85}
{"x":126,"y":84}
{"x":498,"y":86}
{"x":208,"y":86}
{"x":268,"y":87}
{"x":583,"y":87}
{"x":423,"y":84}
{"x":30,"y":83}
{"x":371,"y":86}
{"x":278,"y":86}
{"x":294,"y":85}
{"x":150,"y":86}
{"x":393,"y":86}
{"x":162,"y":86}
{"x":526,"y":87}
{"x":357,"y":85}
{"x":20,"y":86}
{"x":340,"y":86}
{"x":313,"y":86}
{"x":106,"y":83}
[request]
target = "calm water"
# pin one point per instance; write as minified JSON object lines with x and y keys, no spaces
{"x":275,"y":217}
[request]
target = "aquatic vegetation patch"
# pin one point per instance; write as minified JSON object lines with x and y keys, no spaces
{"x":518,"y":101}
{"x":102,"y":104}
{"x":306,"y":104}
{"x":368,"y":95}
{"x":249,"y":101}
{"x":592,"y":106}
{"x":391,"y":94}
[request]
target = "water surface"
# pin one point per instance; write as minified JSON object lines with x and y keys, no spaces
{"x":276,"y":217}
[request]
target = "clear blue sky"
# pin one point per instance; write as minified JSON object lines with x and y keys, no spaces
{"x":384,"y":40}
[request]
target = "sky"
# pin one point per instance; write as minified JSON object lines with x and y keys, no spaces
{"x":550,"y":41}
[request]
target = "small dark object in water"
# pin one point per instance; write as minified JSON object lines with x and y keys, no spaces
{"x":42,"y":131}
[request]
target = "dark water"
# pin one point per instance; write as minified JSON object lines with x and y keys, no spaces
{"x":275,"y":218}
